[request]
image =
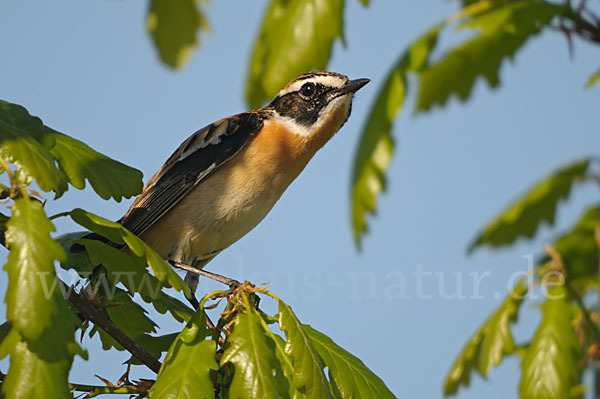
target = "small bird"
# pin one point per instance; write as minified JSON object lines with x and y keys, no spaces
{"x":225,"y":178}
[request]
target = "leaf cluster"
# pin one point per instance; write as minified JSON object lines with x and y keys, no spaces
{"x":243,"y":357}
{"x":553,"y":362}
{"x":253,"y":361}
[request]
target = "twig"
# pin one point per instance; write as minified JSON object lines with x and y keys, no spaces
{"x":90,"y":312}
{"x":95,"y":390}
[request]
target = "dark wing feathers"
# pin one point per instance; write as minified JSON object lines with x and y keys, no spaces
{"x":195,"y":159}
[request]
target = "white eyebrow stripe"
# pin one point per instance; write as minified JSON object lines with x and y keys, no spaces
{"x":330,"y":81}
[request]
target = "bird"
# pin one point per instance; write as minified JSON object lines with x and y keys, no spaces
{"x":226,"y":177}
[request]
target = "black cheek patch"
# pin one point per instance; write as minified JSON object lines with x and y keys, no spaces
{"x":303,"y":111}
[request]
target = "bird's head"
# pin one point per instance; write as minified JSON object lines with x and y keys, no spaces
{"x":316,"y":103}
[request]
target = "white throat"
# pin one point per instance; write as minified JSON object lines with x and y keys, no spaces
{"x":324,"y":116}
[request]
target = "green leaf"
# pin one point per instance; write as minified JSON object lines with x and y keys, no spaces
{"x":251,"y":351}
{"x":174,"y":26}
{"x":124,"y":267}
{"x":3,"y":221}
{"x":365,"y":2}
{"x":523,"y":217}
{"x":308,"y":376}
{"x":154,"y":345}
{"x":53,"y":158}
{"x":108,"y":178}
{"x":296,"y":36}
{"x":179,"y":310}
{"x":551,"y":365}
{"x":4,"y":330}
{"x":41,"y":341}
{"x":348,"y":375}
{"x":502,"y":31}
{"x":33,"y":296}
{"x":118,"y":234}
{"x":593,"y":79}
{"x":376,"y":146}
{"x":32,"y":159}
{"x":286,"y":384}
{"x":488,"y":346}
{"x":579,"y":250}
{"x":76,"y":260}
{"x":32,"y":376}
{"x":186,"y":370}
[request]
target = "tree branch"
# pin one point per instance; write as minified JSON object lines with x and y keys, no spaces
{"x":90,"y":311}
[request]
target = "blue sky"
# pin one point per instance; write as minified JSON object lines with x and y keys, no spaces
{"x":89,"y":69}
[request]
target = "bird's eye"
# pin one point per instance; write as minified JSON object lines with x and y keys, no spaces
{"x":308,"y":89}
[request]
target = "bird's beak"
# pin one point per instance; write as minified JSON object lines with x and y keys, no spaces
{"x":354,"y":85}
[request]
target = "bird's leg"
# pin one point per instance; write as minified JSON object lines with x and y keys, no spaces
{"x":217,"y":277}
{"x":191,"y":280}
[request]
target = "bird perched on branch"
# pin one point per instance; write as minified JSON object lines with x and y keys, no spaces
{"x":225,"y":178}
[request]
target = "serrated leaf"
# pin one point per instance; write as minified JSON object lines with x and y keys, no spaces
{"x":179,"y":310}
{"x":118,"y":234}
{"x":502,"y":31}
{"x":53,"y":158}
{"x":488,"y":346}
{"x":308,"y":376}
{"x":33,"y":294}
{"x":579,"y":250}
{"x":124,"y":267}
{"x":551,"y":365}
{"x":174,"y":26}
{"x":154,"y":345}
{"x":108,"y":178}
{"x":523,"y":217}
{"x":42,"y":345}
{"x":32,"y":159}
{"x":76,"y":260}
{"x":130,"y":317}
{"x":593,"y":79}
{"x":186,"y":370}
{"x":32,"y":376}
{"x":286,"y":384}
{"x":251,"y":351}
{"x":296,"y":36}
{"x":376,"y":145}
{"x":348,"y":375}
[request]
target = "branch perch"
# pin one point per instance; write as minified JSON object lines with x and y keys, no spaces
{"x":90,"y":312}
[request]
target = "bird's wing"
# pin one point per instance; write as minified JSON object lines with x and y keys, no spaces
{"x":195,"y":159}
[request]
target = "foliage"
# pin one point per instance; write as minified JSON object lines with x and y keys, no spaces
{"x":376,"y":146}
{"x":489,"y":345}
{"x":523,"y":217}
{"x":500,"y":29}
{"x":296,"y":36}
{"x":593,"y":79}
{"x":551,"y":363}
{"x":241,"y":358}
{"x":54,"y":159}
{"x":245,"y":356}
{"x":174,"y":26}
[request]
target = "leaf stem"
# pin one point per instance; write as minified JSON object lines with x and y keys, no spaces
{"x":59,"y":215}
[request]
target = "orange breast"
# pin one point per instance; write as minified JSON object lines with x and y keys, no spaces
{"x":235,"y":198}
